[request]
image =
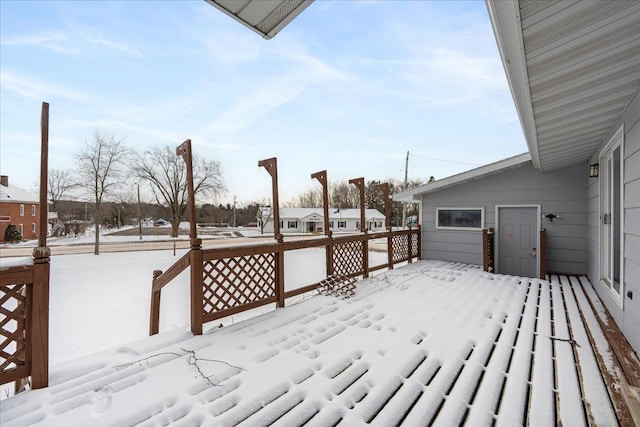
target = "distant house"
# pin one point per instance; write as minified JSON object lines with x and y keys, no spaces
{"x":20,"y":208}
{"x":310,"y":220}
{"x":574,"y":74}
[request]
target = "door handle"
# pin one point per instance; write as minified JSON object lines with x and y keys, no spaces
{"x":534,"y":252}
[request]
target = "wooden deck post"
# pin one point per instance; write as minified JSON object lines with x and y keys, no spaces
{"x":485,"y":249}
{"x":41,"y":268}
{"x":280,"y":273}
{"x":543,"y":253}
{"x":359,"y":182}
{"x":197,"y":292}
{"x":488,"y":261}
{"x":419,"y":248}
{"x":322,"y":178}
{"x":40,"y":319}
{"x":409,"y":244}
{"x":154,"y":315}
{"x":384,"y":188}
{"x":195,"y":253}
{"x":271,"y":165}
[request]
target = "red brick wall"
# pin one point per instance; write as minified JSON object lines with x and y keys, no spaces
{"x":12,"y":210}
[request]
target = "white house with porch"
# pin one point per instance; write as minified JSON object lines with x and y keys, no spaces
{"x":311,"y":220}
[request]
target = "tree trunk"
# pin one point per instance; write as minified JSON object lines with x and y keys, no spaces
{"x":96,"y":248}
{"x":175,"y":225}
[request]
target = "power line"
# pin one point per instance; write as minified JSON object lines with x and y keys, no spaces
{"x":444,"y":160}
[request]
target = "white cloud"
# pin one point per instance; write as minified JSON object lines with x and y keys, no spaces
{"x":37,"y":88}
{"x":109,"y":44}
{"x":47,"y":40}
{"x":69,"y":43}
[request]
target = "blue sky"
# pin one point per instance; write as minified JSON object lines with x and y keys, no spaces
{"x":347,"y":86}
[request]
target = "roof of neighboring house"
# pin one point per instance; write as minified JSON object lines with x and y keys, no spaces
{"x":11,"y":193}
{"x":265,"y":17}
{"x":473,"y":174}
{"x":573,"y":68}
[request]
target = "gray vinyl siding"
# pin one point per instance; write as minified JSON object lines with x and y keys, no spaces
{"x":628,"y":316}
{"x":561,"y":192}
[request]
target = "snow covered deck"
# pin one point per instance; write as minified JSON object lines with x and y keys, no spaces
{"x":429,"y":343}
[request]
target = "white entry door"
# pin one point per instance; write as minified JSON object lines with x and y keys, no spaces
{"x":517,"y":241}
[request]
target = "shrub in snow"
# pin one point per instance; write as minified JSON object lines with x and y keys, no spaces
{"x":11,"y":234}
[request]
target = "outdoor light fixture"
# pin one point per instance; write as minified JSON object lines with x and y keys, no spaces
{"x":594,"y":170}
{"x":551,"y":216}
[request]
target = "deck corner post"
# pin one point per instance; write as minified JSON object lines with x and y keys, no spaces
{"x":40,"y":318}
{"x":154,"y":315}
{"x":280,"y":272}
{"x":197,"y":292}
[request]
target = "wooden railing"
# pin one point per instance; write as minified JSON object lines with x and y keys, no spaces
{"x":488,"y":253}
{"x":24,"y":325}
{"x":229,"y":280}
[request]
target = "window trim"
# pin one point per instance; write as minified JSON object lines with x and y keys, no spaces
{"x":459,"y":208}
{"x":295,"y":224}
{"x":342,"y":224}
{"x":33,"y":210}
{"x":33,"y":227}
{"x":21,"y":209}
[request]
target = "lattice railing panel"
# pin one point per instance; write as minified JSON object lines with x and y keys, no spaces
{"x":13,"y":339}
{"x":400,"y":248}
{"x":232,"y":282}
{"x":414,"y":244}
{"x":348,"y":258}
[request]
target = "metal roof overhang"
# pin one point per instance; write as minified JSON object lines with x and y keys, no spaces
{"x":265,"y":17}
{"x":573,"y":67}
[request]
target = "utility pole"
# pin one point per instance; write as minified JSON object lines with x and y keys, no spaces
{"x":404,"y":204}
{"x":235,"y":199}
{"x":139,"y":218}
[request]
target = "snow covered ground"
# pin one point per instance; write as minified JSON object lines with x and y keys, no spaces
{"x":430,"y":342}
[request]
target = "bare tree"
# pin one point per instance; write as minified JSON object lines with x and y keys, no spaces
{"x":344,"y":195}
{"x":101,"y":168}
{"x":60,"y":183}
{"x":265,"y":216}
{"x":311,"y":198}
{"x":167,"y":175}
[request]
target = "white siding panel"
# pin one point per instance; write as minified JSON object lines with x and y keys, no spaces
{"x":562,"y":192}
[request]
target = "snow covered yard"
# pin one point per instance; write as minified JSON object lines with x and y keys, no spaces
{"x":428,"y":343}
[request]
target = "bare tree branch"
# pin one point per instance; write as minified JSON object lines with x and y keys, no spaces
{"x":101,"y":169}
{"x":166,"y":173}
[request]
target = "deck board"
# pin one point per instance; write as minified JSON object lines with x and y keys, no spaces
{"x":432,"y":343}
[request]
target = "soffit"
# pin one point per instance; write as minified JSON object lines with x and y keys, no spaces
{"x":265,"y":17}
{"x":583,"y":65}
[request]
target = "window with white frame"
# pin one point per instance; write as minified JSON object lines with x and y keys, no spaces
{"x":33,"y":227}
{"x":21,"y":230}
{"x":33,"y":210}
{"x":460,"y":218}
{"x":342,"y":224}
{"x":330,"y":224}
{"x":281,"y":224}
{"x":21,"y":210}
{"x":378,"y":224}
{"x":292,"y":224}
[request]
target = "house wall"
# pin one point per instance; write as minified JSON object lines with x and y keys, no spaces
{"x":561,"y":192}
{"x":12,"y":210}
{"x":627,"y":317}
{"x":351,"y":226}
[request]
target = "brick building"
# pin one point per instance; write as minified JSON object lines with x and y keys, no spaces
{"x":20,"y":208}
